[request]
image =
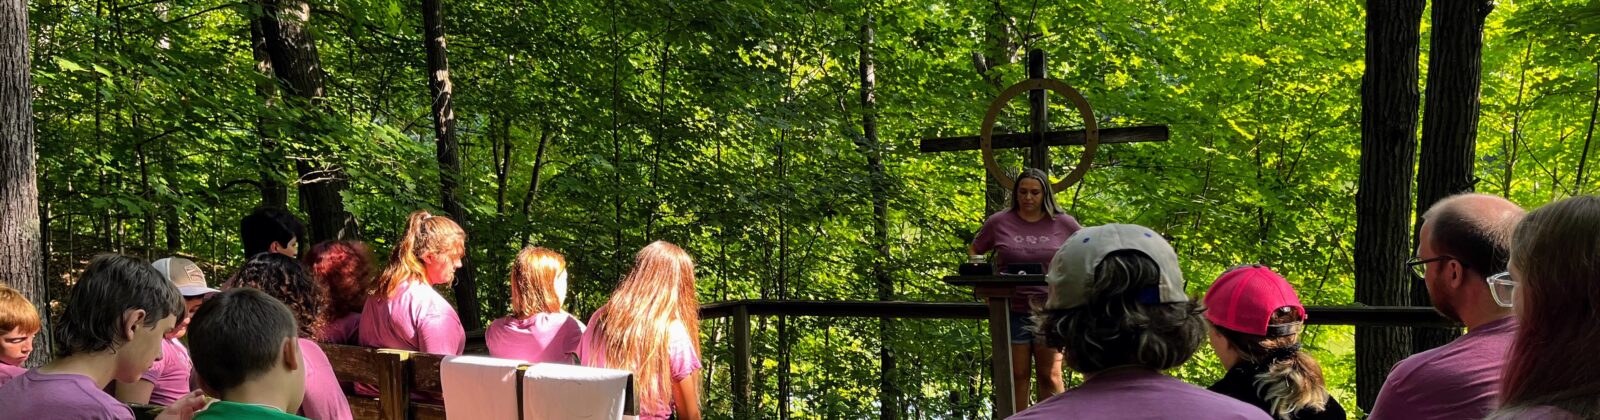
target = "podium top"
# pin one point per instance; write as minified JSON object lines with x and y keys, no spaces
{"x":999,"y":280}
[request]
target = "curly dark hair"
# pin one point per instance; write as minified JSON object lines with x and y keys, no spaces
{"x":283,"y":278}
{"x":1114,"y":329}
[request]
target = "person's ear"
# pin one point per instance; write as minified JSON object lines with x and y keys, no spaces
{"x":1456,"y":275}
{"x":291,"y":354}
{"x":131,"y":320}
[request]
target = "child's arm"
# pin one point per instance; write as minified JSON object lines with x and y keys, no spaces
{"x":686,"y":395}
{"x":185,"y":407}
{"x":137,"y":392}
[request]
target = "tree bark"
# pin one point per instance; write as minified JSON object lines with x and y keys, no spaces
{"x":446,"y":150}
{"x":21,"y":261}
{"x":1449,"y":127}
{"x":273,"y":192}
{"x":1383,"y":198}
{"x":1594,"y":111}
{"x":298,"y":68}
{"x":889,"y":392}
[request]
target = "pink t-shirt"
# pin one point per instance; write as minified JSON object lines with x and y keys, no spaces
{"x":324,"y":399}
{"x":681,"y":354}
{"x":1460,"y":380}
{"x":1017,"y":241}
{"x":416,"y":318}
{"x":547,"y":337}
{"x":7,"y":372}
{"x":60,"y":396}
{"x":342,"y":330}
{"x":169,"y":374}
{"x":1139,"y":394}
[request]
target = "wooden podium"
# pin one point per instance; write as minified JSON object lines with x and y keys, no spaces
{"x":995,"y":290}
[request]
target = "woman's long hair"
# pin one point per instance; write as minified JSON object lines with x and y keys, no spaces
{"x":533,"y":281}
{"x":1555,"y":260}
{"x":1047,"y":202}
{"x":634,"y":326}
{"x":426,"y":234}
{"x":346,"y":269}
{"x":1293,"y":379}
{"x":283,"y":278}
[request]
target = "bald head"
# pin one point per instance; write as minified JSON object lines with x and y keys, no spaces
{"x":1473,"y":228}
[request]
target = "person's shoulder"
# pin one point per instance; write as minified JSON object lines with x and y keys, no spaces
{"x":1541,"y":412}
{"x":997,"y":217}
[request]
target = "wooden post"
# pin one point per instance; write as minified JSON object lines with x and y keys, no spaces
{"x":1000,"y":343}
{"x":1038,"y":114}
{"x":741,"y":363}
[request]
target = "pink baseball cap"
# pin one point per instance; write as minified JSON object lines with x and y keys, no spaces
{"x":1244,"y":298}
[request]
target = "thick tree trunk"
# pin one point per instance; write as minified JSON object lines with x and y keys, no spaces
{"x":1383,"y":197}
{"x":888,"y":390}
{"x":444,"y":133}
{"x":21,"y":263}
{"x":273,"y":192}
{"x":1449,"y":126}
{"x":298,"y":68}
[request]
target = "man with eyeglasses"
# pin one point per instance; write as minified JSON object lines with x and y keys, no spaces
{"x":1461,"y":258}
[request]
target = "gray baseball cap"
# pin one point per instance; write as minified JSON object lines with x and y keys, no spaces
{"x":1073,"y":268}
{"x":185,"y":274}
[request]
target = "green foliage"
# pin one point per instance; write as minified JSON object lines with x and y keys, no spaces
{"x":731,"y":127}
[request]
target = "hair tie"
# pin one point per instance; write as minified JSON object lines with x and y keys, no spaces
{"x":1283,"y":353}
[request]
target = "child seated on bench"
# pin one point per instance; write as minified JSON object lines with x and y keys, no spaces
{"x":288,"y":282}
{"x":651,"y":327}
{"x":19,"y":321}
{"x":111,"y":329}
{"x":168,"y":379}
{"x":246,"y":353}
{"x":537,"y":331}
{"x":404,"y":312}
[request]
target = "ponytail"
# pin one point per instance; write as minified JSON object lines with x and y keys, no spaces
{"x":425,"y":234}
{"x":1292,"y":379}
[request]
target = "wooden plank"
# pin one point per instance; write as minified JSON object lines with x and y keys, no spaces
{"x":1053,"y":138}
{"x":427,"y":411}
{"x":425,"y":372}
{"x":1404,"y":316}
{"x":354,"y":364}
{"x":364,"y":408}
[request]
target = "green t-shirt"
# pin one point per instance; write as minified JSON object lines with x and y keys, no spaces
{"x":227,"y":410}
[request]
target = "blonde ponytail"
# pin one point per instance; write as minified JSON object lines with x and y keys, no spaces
{"x":425,"y":234}
{"x":1292,"y":380}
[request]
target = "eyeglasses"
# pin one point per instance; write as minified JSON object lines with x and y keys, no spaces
{"x":1503,"y":288}
{"x":1420,"y":267}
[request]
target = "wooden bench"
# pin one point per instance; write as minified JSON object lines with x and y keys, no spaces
{"x":388,"y":370}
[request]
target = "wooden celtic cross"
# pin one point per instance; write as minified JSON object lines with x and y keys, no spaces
{"x":1038,"y":138}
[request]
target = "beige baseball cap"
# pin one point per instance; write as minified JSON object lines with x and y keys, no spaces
{"x":185,"y":274}
{"x":1073,"y":268}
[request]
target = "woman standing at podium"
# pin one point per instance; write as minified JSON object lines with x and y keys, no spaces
{"x":1028,"y":233}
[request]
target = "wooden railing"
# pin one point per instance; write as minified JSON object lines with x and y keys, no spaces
{"x":740,"y":311}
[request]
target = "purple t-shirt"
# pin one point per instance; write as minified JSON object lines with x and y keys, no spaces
{"x":324,"y":399}
{"x":7,"y":372}
{"x":342,"y":330}
{"x":416,"y":318}
{"x":1017,"y":241}
{"x":546,"y":337}
{"x":1139,"y":394}
{"x":681,"y":354}
{"x":169,"y":374}
{"x":1460,"y":380}
{"x":59,"y":396}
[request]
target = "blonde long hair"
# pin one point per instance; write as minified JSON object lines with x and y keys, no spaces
{"x":1292,"y":380}
{"x":426,"y":234}
{"x":634,"y":327}
{"x":533,"y":281}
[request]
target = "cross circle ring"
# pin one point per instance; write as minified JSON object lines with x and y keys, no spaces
{"x":1090,"y":129}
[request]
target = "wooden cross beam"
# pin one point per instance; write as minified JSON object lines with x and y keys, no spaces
{"x":1053,"y":138}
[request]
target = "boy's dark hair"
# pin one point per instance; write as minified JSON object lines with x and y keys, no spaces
{"x":1114,"y":328}
{"x":109,"y":287}
{"x":265,"y":225}
{"x":237,"y":335}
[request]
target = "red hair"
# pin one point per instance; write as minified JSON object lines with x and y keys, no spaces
{"x":533,"y":281}
{"x":346,"y":269}
{"x":1555,"y":258}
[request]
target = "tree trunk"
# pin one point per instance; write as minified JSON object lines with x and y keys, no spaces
{"x":1449,"y":127}
{"x":889,"y":407}
{"x":444,"y":133}
{"x":533,"y":178}
{"x":273,"y":192}
{"x":298,"y":69}
{"x":1594,"y":111}
{"x":21,"y":263}
{"x":1383,"y":197}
